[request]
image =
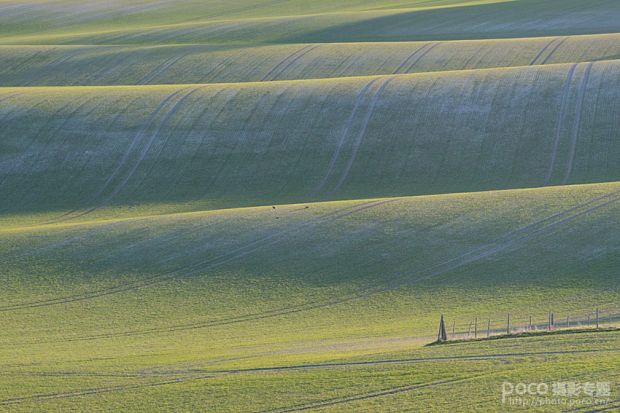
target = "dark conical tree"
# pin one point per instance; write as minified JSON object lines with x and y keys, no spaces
{"x":442,"y":336}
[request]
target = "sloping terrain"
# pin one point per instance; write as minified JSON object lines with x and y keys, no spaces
{"x":204,"y":63}
{"x":78,"y":150}
{"x":265,"y":206}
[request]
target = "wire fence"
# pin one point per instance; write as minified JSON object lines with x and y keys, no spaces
{"x":517,"y":323}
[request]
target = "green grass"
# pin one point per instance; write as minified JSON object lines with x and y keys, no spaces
{"x":202,"y":63}
{"x":368,"y":283}
{"x":76,"y":150}
{"x":295,"y":22}
{"x":266,"y":205}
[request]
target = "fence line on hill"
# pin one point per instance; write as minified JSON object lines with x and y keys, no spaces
{"x":523,"y":322}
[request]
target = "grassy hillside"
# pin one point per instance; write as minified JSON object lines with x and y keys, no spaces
{"x":70,"y":149}
{"x":184,"y":294}
{"x":259,"y":21}
{"x":203,"y":63}
{"x":266,"y":205}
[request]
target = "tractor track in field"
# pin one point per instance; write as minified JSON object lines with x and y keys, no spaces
{"x":107,"y":68}
{"x":195,"y":155}
{"x":343,"y":137}
{"x":125,"y":157}
{"x":52,"y":133}
{"x":25,"y":61}
{"x":552,"y":52}
{"x":96,"y":391}
{"x":156,"y":156}
{"x":577,"y":124}
{"x":161,"y":68}
{"x":560,"y":121}
{"x":420,"y":57}
{"x":149,"y":143}
{"x":542,"y":51}
{"x":292,"y":61}
{"x":205,"y":375}
{"x":389,"y":391}
{"x":111,"y":124}
{"x":210,"y":263}
{"x":513,"y":238}
{"x":199,"y":372}
{"x":413,"y":55}
{"x":289,"y":60}
{"x":93,"y":391}
{"x":146,"y":146}
{"x":299,"y":156}
{"x":195,"y":119}
{"x":58,"y":62}
{"x":261,"y":128}
{"x":362,"y":133}
{"x":30,"y":144}
{"x":614,"y":405}
{"x":510,"y":239}
{"x":243,"y":136}
{"x":464,"y":259}
{"x":611,"y":406}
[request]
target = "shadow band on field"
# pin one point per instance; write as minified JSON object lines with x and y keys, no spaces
{"x":520,"y":18}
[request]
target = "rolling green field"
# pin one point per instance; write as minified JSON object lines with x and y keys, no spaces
{"x":265,"y":206}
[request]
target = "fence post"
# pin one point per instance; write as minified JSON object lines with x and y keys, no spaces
{"x":489,"y":328}
{"x":529,"y":327}
{"x":567,"y":321}
{"x":597,"y":318}
{"x":453,"y":324}
{"x":508,"y":325}
{"x":476,"y":327}
{"x":442,"y":336}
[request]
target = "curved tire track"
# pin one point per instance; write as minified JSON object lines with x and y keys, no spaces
{"x":506,"y":241}
{"x":336,"y":155}
{"x":420,"y":57}
{"x":146,"y":146}
{"x":287,"y":62}
{"x":207,"y":264}
{"x":560,"y":122}
{"x":409,"y":58}
{"x":390,"y":391}
{"x":577,"y":124}
{"x":161,"y":68}
{"x":555,"y":48}
{"x":362,"y":133}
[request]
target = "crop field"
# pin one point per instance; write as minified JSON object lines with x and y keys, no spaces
{"x":266,"y":206}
